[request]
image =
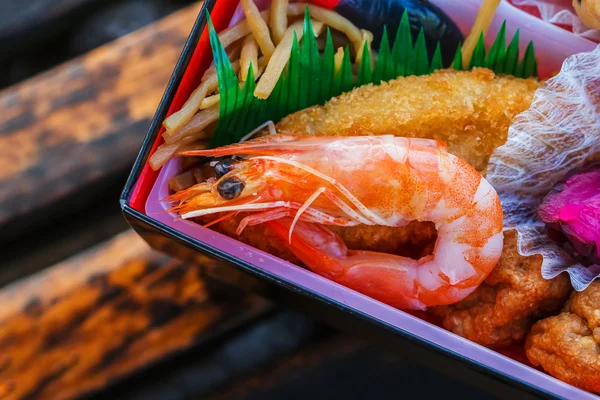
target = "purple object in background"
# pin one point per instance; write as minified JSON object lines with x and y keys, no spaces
{"x":373,"y":15}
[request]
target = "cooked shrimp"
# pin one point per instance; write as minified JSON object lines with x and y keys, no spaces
{"x":297,"y":185}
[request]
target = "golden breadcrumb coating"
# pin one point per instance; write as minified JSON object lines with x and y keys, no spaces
{"x":588,"y":12}
{"x":470,"y":110}
{"x":567,"y":346}
{"x":502,"y":309}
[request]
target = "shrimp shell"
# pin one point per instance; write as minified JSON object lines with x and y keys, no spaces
{"x":297,"y":185}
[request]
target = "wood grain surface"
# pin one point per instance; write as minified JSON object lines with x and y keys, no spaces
{"x":307,"y":358}
{"x":98,"y":317}
{"x":343,"y":367}
{"x":63,"y":132}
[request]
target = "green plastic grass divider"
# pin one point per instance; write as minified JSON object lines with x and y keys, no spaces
{"x":311,"y":79}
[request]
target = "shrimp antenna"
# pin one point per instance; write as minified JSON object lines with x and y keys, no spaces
{"x":303,"y":208}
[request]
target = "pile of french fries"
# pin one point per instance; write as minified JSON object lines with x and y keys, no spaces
{"x":263,"y":40}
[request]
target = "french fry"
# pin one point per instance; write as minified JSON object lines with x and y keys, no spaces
{"x":233,"y":53}
{"x":281,"y":55}
{"x":176,"y":120}
{"x":239,"y":30}
{"x":254,"y":30}
{"x":216,"y":98}
{"x":166,"y":151}
{"x":259,"y":28}
{"x":249,"y":55}
{"x":262,"y":64}
{"x":195,"y":144}
{"x":195,"y":127}
{"x":338,"y":58}
{"x":182,"y":181}
{"x":328,"y":17}
{"x":181,"y":117}
{"x":210,"y":101}
{"x":278,"y":19}
{"x":198,"y":175}
{"x":162,"y":154}
{"x":367,"y":37}
{"x":482,"y":23}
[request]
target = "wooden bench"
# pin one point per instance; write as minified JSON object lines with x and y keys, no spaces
{"x":68,"y":134}
{"x":66,"y":137}
{"x":85,"y":323}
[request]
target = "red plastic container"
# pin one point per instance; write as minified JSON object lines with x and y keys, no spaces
{"x":227,"y":259}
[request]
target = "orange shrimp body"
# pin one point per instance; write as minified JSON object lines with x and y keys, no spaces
{"x":297,"y":185}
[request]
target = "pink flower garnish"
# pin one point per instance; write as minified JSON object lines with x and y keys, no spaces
{"x":573,"y":208}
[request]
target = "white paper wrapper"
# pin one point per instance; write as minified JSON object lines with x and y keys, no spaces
{"x":558,"y":133}
{"x":561,"y":12}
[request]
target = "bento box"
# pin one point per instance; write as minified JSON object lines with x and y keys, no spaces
{"x":505,"y":373}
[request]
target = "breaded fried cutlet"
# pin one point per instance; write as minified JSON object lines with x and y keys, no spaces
{"x":567,"y":346}
{"x":503,"y":308}
{"x":470,"y":110}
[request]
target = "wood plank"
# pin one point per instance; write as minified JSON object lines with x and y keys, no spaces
{"x":66,"y":131}
{"x":199,"y":373}
{"x":23,"y":24}
{"x":49,"y":245}
{"x":309,"y":362}
{"x":310,"y":357}
{"x":90,"y":321}
{"x":343,"y":367}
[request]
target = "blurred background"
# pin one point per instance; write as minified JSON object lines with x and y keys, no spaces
{"x":36,"y":35}
{"x":88,"y":310}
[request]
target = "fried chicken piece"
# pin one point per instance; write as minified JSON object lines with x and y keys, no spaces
{"x":470,"y":110}
{"x":567,"y":346}
{"x":502,"y":309}
{"x":588,"y":12}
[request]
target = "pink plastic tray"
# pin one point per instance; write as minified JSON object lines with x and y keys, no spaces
{"x":553,"y":45}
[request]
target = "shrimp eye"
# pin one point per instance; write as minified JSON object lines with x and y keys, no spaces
{"x":224,"y":166}
{"x":230,"y":188}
